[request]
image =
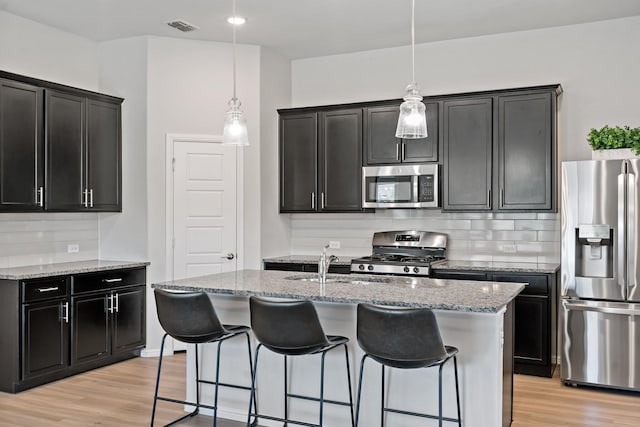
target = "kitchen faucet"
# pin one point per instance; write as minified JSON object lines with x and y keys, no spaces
{"x":323,"y":264}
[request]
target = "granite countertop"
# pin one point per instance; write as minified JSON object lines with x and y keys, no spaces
{"x":311,"y":259}
{"x":60,"y":269}
{"x":520,"y":267}
{"x":439,"y":294}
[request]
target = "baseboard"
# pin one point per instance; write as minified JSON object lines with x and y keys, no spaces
{"x":155,"y":352}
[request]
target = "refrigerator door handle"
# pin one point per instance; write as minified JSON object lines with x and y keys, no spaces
{"x":631,"y":235}
{"x":607,"y":308}
{"x":621,"y":235}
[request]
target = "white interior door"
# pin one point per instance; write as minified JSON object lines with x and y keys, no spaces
{"x":204,"y":208}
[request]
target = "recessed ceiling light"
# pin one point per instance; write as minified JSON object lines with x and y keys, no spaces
{"x":236,"y":20}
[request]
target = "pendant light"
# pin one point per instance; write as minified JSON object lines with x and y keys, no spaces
{"x":412,"y":122}
{"x":235,"y":125}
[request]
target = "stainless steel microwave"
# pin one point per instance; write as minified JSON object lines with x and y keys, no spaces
{"x":402,"y":186}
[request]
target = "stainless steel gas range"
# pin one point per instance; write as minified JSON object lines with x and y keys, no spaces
{"x":406,"y":253}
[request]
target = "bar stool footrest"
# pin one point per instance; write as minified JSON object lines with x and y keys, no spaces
{"x":300,"y":423}
{"x":316,"y":399}
{"x":418,"y":414}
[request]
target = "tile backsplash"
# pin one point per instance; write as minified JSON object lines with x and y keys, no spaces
{"x":518,"y":237}
{"x":42,"y":238}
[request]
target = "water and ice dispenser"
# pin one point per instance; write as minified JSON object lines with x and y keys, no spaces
{"x":594,"y":250}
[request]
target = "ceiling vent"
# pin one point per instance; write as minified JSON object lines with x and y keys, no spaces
{"x":183,"y":26}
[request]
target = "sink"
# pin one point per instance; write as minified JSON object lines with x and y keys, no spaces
{"x":332,"y":278}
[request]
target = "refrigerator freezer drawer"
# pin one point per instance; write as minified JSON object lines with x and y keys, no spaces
{"x":601,"y":343}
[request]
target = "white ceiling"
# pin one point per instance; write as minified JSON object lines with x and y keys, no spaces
{"x":308,"y":28}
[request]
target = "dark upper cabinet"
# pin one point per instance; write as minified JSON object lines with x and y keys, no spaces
{"x":525,"y":152}
{"x":60,"y":147}
{"x":321,"y":161}
{"x":298,"y":162}
{"x":104,"y":169}
{"x":499,"y":151}
{"x":467,"y":154}
{"x":340,"y":159}
{"x":21,"y":147}
{"x":381,"y":145}
{"x":65,"y":147}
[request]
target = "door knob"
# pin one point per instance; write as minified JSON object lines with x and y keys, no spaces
{"x":229,"y":256}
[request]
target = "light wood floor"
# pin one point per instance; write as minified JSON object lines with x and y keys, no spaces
{"x":121,"y":395}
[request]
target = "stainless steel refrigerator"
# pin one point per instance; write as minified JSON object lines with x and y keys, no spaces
{"x":600,"y":292}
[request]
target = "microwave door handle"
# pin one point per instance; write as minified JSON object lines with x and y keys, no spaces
{"x":414,"y":189}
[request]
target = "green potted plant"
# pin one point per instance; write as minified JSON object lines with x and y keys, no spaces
{"x":624,"y":141}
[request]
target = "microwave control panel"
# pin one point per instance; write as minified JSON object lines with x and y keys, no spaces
{"x":426,"y":188}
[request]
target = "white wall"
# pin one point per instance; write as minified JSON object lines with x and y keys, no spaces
{"x":36,"y":50}
{"x":275,"y":92}
{"x":123,"y":72}
{"x":597,"y":65}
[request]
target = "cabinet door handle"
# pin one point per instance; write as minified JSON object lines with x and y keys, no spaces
{"x":323,"y":200}
{"x":313,"y":200}
{"x":85,"y":198}
{"x":51,"y":289}
{"x":398,"y":151}
{"x":119,"y":279}
{"x":91,"y":198}
{"x":489,"y":198}
{"x":403,"y":156}
{"x":502,"y":197}
{"x":110,"y":303}
{"x":65,"y":317}
{"x":117,"y":305}
{"x":40,"y":197}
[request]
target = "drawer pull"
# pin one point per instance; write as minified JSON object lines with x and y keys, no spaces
{"x":112,"y":280}
{"x":51,"y":289}
{"x":66,"y":312}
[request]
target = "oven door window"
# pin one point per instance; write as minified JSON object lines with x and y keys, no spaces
{"x":397,"y":189}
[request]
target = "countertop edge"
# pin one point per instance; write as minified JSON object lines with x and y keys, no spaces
{"x":62,"y":269}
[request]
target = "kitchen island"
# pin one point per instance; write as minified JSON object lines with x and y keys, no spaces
{"x":476,"y":317}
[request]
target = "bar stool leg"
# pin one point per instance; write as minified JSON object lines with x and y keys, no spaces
{"x":255,"y":401}
{"x":382,"y":401}
{"x":215,"y":399}
{"x":359,"y":389}
{"x":253,"y":385}
{"x":346,"y":355}
{"x":440,"y":394}
{"x":324,"y":353}
{"x":155,"y":394}
{"x":286,"y":393}
{"x":455,"y":370}
{"x":197,"y":381}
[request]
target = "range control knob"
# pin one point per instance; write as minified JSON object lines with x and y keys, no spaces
{"x":416,"y":270}
{"x":370,"y":267}
{"x":361,"y":267}
{"x":406,"y":269}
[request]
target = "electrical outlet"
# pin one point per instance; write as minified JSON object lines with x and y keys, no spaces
{"x":510,"y":249}
{"x":72,"y":249}
{"x":334,"y":244}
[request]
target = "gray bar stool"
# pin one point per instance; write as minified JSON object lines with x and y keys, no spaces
{"x":190,"y":317}
{"x":405,"y":338}
{"x":292,"y":328}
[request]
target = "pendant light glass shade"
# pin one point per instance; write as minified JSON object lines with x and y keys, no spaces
{"x":412,"y":121}
{"x":235,"y":125}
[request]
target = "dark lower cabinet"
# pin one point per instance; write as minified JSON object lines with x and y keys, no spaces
{"x":59,"y":326}
{"x":535,"y":312}
{"x":45,"y":338}
{"x":91,"y":338}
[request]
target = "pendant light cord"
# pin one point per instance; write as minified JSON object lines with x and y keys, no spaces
{"x":234,"y":50}
{"x":413,"y":41}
